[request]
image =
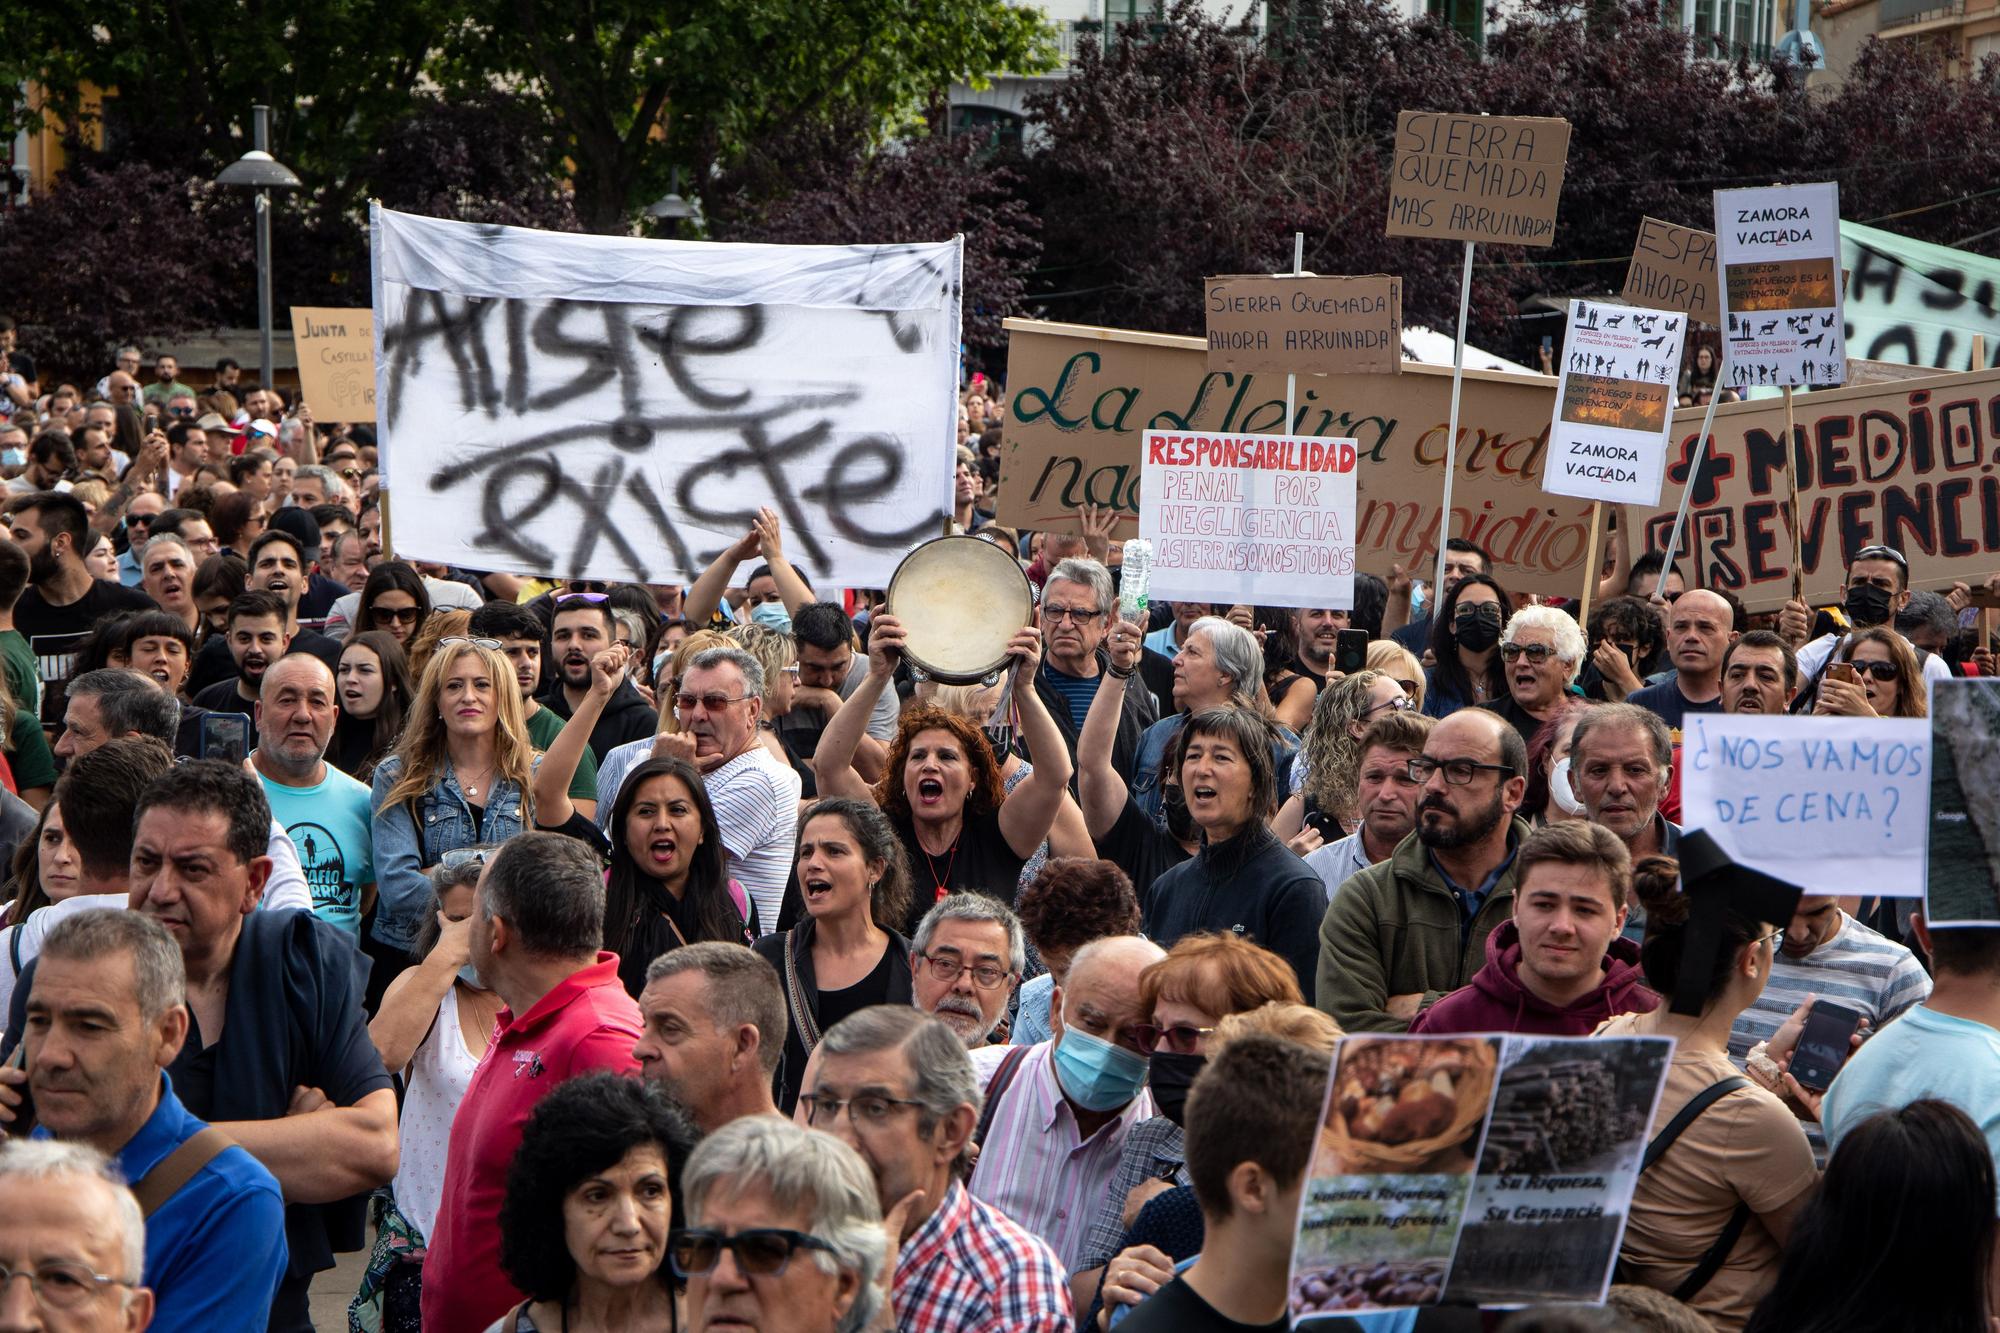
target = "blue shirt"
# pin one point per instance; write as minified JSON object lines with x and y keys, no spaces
{"x":1076,"y":691}
{"x":331,"y":825}
{"x":1163,"y":642}
{"x":1471,"y":900}
{"x":129,"y":572}
{"x":1922,"y":1054}
{"x":215,"y":1251}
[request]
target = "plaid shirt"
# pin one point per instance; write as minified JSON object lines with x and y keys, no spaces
{"x":968,"y":1268}
{"x":1153,"y":1149}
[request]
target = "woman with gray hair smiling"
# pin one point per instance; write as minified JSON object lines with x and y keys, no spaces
{"x":784,"y":1232}
{"x":1541,"y":653}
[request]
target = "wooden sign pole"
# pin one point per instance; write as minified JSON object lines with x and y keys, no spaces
{"x":1451,"y":430}
{"x":1798,"y":526}
{"x":1591,"y":569}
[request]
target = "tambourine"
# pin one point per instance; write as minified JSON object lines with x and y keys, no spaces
{"x":960,"y":601}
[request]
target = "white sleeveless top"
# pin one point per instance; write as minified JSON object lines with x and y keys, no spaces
{"x":439,"y":1074}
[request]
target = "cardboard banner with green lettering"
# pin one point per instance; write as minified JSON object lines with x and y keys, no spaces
{"x":1477,"y":178}
{"x":1081,"y":397}
{"x":1305,"y":325}
{"x":336,"y":351}
{"x":1909,"y":464}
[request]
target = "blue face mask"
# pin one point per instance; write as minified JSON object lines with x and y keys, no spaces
{"x":1095,"y":1074}
{"x":470,"y":976}
{"x":773,"y":615}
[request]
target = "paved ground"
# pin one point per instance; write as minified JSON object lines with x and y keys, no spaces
{"x":333,"y":1289}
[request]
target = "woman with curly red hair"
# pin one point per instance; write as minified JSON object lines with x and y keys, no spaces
{"x":941,"y":786}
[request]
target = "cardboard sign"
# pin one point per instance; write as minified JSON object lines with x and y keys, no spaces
{"x":1673,"y":268}
{"x":1619,"y":368}
{"x":336,"y":351}
{"x":1081,"y":397}
{"x":1249,"y":519}
{"x":1477,"y":178}
{"x":1901,"y":464}
{"x":1472,"y":1169}
{"x":1305,"y":326}
{"x":609,"y":407}
{"x":1830,"y":804}
{"x":1779,"y":248}
{"x":1961,"y":868}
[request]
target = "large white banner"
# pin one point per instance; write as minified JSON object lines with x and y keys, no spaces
{"x":612,"y":408}
{"x":1608,"y":440}
{"x":1779,"y":248}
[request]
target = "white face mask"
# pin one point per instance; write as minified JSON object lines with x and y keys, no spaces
{"x":1559,"y":788}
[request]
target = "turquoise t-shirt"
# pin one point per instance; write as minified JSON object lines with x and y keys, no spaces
{"x":330,"y":826}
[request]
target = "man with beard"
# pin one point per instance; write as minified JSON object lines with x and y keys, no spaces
{"x":1878,"y":586}
{"x":1386,"y":799}
{"x":187,"y":443}
{"x":1318,"y":632}
{"x":255,"y":637}
{"x":583,"y":628}
{"x":1700,"y":628}
{"x":326,"y":813}
{"x":1075,"y":619}
{"x":965,"y":960}
{"x":1403,"y":933}
{"x":167,"y":576}
{"x":278,"y":566}
{"x":63,"y":601}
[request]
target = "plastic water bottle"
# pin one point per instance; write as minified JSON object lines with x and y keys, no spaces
{"x":1133,"y":580}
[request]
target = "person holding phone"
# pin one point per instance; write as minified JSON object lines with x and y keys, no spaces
{"x":1874,"y":674}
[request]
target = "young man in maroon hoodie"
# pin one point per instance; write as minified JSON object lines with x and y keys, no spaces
{"x":1559,"y":967}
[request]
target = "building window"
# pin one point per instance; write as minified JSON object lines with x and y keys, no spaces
{"x":1000,"y":126}
{"x":1467,"y":18}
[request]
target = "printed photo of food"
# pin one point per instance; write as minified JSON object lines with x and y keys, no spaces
{"x":1407,"y":1105}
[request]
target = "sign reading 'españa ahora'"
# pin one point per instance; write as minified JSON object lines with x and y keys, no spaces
{"x":1081,"y":397}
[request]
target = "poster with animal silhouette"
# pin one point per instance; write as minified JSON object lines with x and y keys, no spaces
{"x":1619,"y":366}
{"x":1779,"y":247}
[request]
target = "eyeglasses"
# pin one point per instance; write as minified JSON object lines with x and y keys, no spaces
{"x":1409,"y":688}
{"x":1400,"y":704}
{"x":1775,"y":938}
{"x":1882,"y":671}
{"x":1882,"y":553}
{"x":866,"y":1108}
{"x":1457,"y":772}
{"x":1077,"y":615}
{"x":402,"y":615}
{"x":1536,"y":653}
{"x":590,"y":597}
{"x":792,"y":670}
{"x":180,"y":411}
{"x":463,"y":856}
{"x":457,"y":639}
{"x":760,"y":1251}
{"x":59,"y":1285}
{"x":1181,"y":1038}
{"x":710,"y":703}
{"x":986,"y":976}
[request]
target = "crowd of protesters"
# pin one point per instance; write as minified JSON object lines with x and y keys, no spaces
{"x":599,"y":956}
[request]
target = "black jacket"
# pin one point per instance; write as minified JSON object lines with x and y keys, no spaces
{"x":626,"y":717}
{"x":1140,"y":711}
{"x":1252,"y":887}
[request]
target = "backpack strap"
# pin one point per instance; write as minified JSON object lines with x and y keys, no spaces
{"x":802,"y":1014}
{"x":996,"y":1088}
{"x":178,"y":1167}
{"x":1711,"y":1261}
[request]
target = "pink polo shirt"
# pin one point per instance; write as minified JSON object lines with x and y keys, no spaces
{"x":587,"y":1023}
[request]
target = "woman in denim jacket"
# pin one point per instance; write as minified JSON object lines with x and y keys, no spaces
{"x":459,"y":777}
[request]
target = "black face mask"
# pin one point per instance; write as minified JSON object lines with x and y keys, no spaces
{"x":1170,"y":1076}
{"x":1477,"y":627}
{"x":1867,"y":605}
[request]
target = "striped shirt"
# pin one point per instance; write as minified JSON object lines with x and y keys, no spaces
{"x":967,"y":1268}
{"x":1858,"y":967}
{"x":1035,"y":1166}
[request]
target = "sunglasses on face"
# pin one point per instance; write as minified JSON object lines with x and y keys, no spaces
{"x":401,"y":615}
{"x":1181,"y":1038}
{"x":1882,"y":671}
{"x":1536,"y":653}
{"x":710,"y":703}
{"x":760,"y":1251}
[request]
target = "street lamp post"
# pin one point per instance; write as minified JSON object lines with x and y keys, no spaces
{"x":258,"y":170}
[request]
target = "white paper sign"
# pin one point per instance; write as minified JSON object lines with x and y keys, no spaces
{"x":1831,"y":804}
{"x":611,"y":408}
{"x":1621,"y":365}
{"x":1252,"y":519}
{"x":1779,"y":247}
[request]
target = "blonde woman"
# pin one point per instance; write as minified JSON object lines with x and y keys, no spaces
{"x":459,"y":777}
{"x":1398,"y":663}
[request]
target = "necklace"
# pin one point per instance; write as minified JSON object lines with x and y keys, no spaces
{"x":472,"y":788}
{"x":942,"y":882}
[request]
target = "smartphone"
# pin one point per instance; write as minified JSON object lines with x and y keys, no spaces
{"x":224,"y":736}
{"x":1824,"y":1043}
{"x":1843,"y":671}
{"x":1548,"y":342}
{"x":1350,"y":651}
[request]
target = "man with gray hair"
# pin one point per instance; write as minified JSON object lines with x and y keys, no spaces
{"x":1075,"y":619}
{"x":537,"y":937}
{"x":745,"y":1187}
{"x":965,"y":961}
{"x":911,"y":1102}
{"x":106,"y":1017}
{"x":715,"y":1031}
{"x":65,"y":1213}
{"x":756,"y":796}
{"x":314,"y":484}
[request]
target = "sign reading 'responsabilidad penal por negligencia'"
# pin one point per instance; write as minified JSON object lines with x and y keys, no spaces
{"x":1609,"y":438}
{"x":1477,"y":178}
{"x":1779,"y":247}
{"x":1282,"y":324}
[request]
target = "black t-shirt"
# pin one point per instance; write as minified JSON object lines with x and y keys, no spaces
{"x":36,"y":617}
{"x":1140,"y":847}
{"x":835,"y":1005}
{"x":1298,"y":667}
{"x":222,"y":697}
{"x":1524,"y":722}
{"x":1175,"y":1308}
{"x":981,"y":862}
